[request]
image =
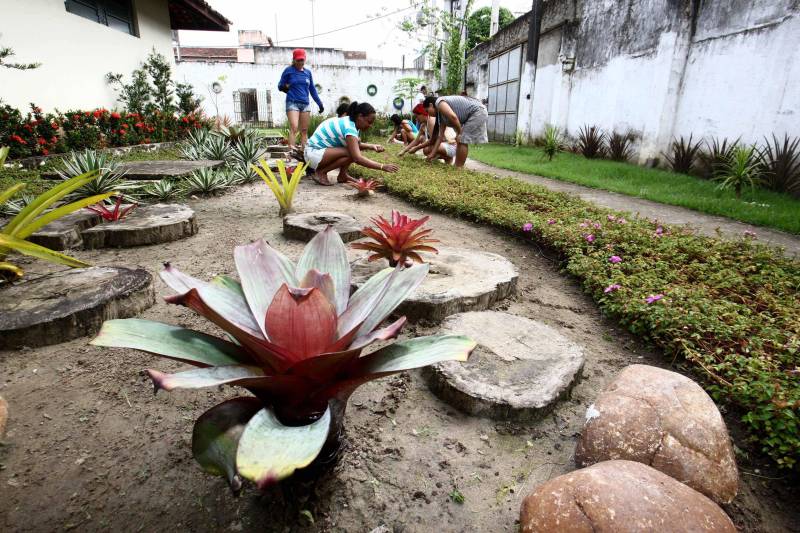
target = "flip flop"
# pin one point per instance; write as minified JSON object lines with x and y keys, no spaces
{"x":320,"y":182}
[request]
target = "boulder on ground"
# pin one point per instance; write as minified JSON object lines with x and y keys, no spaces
{"x":665,"y":420}
{"x":620,"y":497}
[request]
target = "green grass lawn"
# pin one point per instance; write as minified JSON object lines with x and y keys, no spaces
{"x":760,"y":207}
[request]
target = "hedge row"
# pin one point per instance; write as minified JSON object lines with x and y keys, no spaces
{"x":731,"y":309}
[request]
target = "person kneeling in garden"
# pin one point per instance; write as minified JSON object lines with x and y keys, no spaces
{"x":467,"y":116}
{"x":336,"y":144}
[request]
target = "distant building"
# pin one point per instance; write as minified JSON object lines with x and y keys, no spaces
{"x":79,"y":41}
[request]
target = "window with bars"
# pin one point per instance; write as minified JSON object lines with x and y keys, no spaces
{"x":117,"y":14}
{"x":504,"y":72}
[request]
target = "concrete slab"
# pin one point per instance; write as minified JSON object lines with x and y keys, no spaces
{"x":520,"y":369}
{"x":151,"y":224}
{"x":459,"y":280}
{"x":71,"y":303}
{"x":304,"y":226}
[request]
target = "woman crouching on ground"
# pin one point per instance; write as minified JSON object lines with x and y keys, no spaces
{"x":428,"y":135}
{"x":404,"y":130}
{"x":467,"y":116}
{"x":336,"y":145}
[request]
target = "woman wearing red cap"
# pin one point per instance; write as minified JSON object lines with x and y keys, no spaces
{"x":297,"y":82}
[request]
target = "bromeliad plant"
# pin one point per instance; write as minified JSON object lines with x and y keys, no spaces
{"x":112,"y":215}
{"x":365,"y":187}
{"x":296,"y":339}
{"x":398,"y":241}
{"x":285,"y":188}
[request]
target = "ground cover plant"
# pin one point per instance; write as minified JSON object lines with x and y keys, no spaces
{"x":759,"y":206}
{"x":295,"y":339}
{"x":729,"y":310}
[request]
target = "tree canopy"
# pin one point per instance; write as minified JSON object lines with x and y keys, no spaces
{"x":479,"y":24}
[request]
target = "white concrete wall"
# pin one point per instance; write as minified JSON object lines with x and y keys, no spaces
{"x":76,"y":53}
{"x":336,"y":82}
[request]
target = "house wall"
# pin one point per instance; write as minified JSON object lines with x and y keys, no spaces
{"x":661,"y":68}
{"x":76,"y":53}
{"x":336,"y":82}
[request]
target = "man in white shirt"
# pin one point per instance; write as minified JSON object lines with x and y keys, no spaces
{"x":420,"y":97}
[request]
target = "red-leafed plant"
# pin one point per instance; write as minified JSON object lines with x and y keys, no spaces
{"x":115,"y":214}
{"x":365,"y":187}
{"x":399,"y":241}
{"x":295,"y":338}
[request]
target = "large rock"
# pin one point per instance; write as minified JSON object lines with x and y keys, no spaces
{"x":620,"y":497}
{"x":305,"y":226}
{"x":150,"y":224}
{"x":3,"y":416}
{"x":519,"y":371}
{"x":664,"y":420}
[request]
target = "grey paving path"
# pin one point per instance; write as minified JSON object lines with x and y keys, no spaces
{"x":670,"y":214}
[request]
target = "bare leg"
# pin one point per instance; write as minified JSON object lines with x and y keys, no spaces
{"x":462,"y":150}
{"x":305,"y":118}
{"x":332,"y":159}
{"x":294,"y":117}
{"x":443,"y":155}
{"x":344,"y":177}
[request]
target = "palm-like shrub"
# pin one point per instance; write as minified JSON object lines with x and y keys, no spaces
{"x":780,"y":164}
{"x":552,"y":141}
{"x":742,"y":170}
{"x":295,"y":341}
{"x":619,"y":146}
{"x":591,"y":142}
{"x":109,"y":177}
{"x":206,"y":181}
{"x":682,"y":154}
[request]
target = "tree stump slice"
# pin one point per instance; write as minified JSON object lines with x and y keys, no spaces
{"x":65,"y":305}
{"x":519,"y":370}
{"x":65,"y":232}
{"x":152,"y":224}
{"x":459,"y":280}
{"x":304,"y":226}
{"x":278,"y":149}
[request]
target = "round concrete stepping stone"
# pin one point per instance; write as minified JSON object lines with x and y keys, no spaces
{"x":69,"y":304}
{"x":520,"y":369}
{"x":151,"y":224}
{"x":304,"y":226}
{"x":459,"y":280}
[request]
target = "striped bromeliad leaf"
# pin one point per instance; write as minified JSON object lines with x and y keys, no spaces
{"x":296,"y":341}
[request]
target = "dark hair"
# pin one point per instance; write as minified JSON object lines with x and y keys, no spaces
{"x":396,"y":120}
{"x":342,"y":109}
{"x":422,"y":88}
{"x":429,"y":100}
{"x":357,"y":109}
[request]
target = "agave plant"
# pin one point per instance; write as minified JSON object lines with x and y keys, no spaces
{"x":193,"y":148}
{"x":217,"y":148}
{"x":115,"y":214}
{"x":285,"y":188}
{"x":365,"y":187}
{"x":682,"y":155}
{"x":109,"y":177}
{"x":241,"y":174}
{"x":398,"y":241}
{"x":297,"y":339}
{"x":780,"y":161}
{"x":591,"y":142}
{"x":33,"y":217}
{"x":552,"y":141}
{"x":248,"y":151}
{"x":206,"y":181}
{"x":163,"y":190}
{"x":13,"y":207}
{"x":742,"y":171}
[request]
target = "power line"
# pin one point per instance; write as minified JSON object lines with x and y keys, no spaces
{"x":348,"y":27}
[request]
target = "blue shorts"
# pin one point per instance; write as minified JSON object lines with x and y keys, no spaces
{"x":298,"y":106}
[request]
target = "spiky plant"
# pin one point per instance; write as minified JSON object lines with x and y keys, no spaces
{"x":249,"y":150}
{"x":109,"y":177}
{"x":742,"y":171}
{"x":13,"y":207}
{"x":34,"y":216}
{"x":398,"y":241}
{"x":217,"y":148}
{"x":552,"y":141}
{"x":715,"y":158}
{"x":780,"y":163}
{"x":242,"y":174}
{"x":294,"y":340}
{"x":193,"y":147}
{"x":682,"y":154}
{"x":284,"y":188}
{"x":619,"y":146}
{"x":114,"y":214}
{"x":365,"y":187}
{"x":206,"y":181}
{"x":591,"y":142}
{"x":163,"y":191}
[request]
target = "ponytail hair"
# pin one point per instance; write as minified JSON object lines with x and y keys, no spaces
{"x":357,"y":109}
{"x":429,"y":100}
{"x":396,"y":120}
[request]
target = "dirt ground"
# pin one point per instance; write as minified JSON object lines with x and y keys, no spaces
{"x":89,"y":448}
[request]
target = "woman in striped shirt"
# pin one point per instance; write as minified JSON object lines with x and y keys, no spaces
{"x":336,"y":145}
{"x":467,"y":116}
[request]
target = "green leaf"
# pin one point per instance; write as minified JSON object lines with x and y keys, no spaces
{"x":216,"y":435}
{"x":40,"y":252}
{"x":415,"y":353}
{"x":208,"y":377}
{"x":400,"y":286}
{"x":173,"y":342}
{"x":326,"y":253}
{"x":60,"y":212}
{"x":363,"y":301}
{"x":269,"y":451}
{"x":10,"y":192}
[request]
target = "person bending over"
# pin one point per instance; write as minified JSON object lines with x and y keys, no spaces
{"x":467,"y":116}
{"x":341,"y":111}
{"x":297,"y":82}
{"x":336,"y":145}
{"x":404,"y":130}
{"x":427,"y":134}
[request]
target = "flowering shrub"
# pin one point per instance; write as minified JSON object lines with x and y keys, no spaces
{"x":40,"y":134}
{"x":731,"y":309}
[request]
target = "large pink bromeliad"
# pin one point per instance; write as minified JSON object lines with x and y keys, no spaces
{"x":296,"y":340}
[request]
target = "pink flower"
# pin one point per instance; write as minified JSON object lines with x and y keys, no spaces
{"x":551,"y":221}
{"x":527,"y":227}
{"x":597,"y":225}
{"x":659,"y":231}
{"x":750,"y":234}
{"x":622,"y":221}
{"x":611,"y":218}
{"x":615,"y":259}
{"x":589,"y":238}
{"x":612,"y":288}
{"x":653,"y":298}
{"x":584,"y":224}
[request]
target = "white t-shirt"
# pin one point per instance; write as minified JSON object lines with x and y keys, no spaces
{"x":418,"y":99}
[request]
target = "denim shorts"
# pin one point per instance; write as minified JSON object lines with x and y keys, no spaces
{"x":298,"y":106}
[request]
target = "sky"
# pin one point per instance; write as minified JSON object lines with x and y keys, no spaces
{"x":288,"y":22}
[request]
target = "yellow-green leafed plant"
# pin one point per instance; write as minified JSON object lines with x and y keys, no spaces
{"x":33,"y":217}
{"x":3,"y":154}
{"x":284,"y":188}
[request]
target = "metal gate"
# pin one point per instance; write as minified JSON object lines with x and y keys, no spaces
{"x":245,"y":106}
{"x":504,"y":73}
